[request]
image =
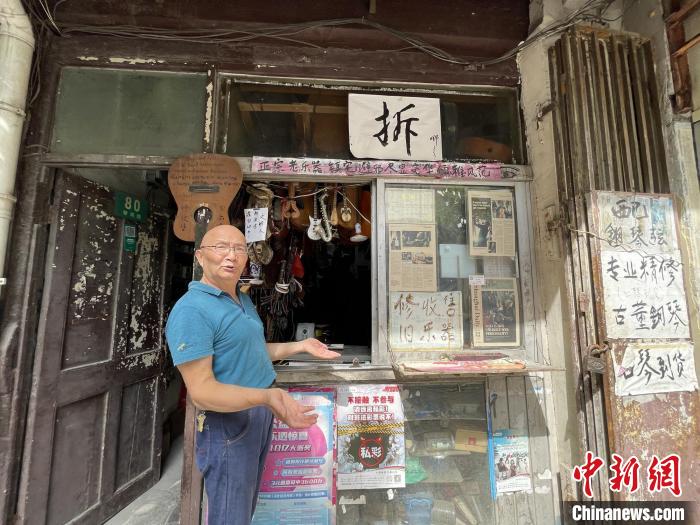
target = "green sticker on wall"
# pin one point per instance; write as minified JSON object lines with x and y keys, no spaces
{"x":130,"y":238}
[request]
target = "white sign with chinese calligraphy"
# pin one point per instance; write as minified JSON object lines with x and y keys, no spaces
{"x":644,"y":295}
{"x":386,"y":127}
{"x":425,"y":320}
{"x":371,"y":448}
{"x":255,"y":224}
{"x":655,"y":368}
{"x":636,"y":222}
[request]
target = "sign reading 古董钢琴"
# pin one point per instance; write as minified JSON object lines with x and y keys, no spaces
{"x":641,"y":267}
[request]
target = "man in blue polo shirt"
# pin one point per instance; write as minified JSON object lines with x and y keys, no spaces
{"x":217,"y":342}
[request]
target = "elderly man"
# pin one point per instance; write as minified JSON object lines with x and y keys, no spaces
{"x":217,"y":342}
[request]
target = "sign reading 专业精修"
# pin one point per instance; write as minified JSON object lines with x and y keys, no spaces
{"x":386,"y":127}
{"x":641,"y":267}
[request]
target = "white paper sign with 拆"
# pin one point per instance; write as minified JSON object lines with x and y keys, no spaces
{"x":386,"y":127}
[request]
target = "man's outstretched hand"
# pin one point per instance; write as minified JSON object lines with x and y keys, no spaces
{"x":316,"y":348}
{"x":289,"y":410}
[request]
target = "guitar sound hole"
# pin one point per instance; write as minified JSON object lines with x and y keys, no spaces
{"x":202,"y":215}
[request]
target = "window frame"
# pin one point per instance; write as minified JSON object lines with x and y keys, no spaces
{"x":530,"y":347}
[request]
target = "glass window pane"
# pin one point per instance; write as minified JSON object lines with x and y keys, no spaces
{"x":129,"y":112}
{"x":452,"y":249}
{"x":279,"y":121}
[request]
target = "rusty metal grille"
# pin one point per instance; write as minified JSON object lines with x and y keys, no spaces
{"x":606,"y":112}
{"x":607,"y":128}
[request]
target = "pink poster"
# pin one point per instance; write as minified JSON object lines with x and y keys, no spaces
{"x":298,"y":483}
{"x":384,"y":168}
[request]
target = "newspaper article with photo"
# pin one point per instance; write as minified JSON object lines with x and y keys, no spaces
{"x":496,"y":313}
{"x":491,"y":223}
{"x":412,"y":257}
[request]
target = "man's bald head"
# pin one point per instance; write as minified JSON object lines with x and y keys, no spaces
{"x":223,"y":257}
{"x":223,"y":233}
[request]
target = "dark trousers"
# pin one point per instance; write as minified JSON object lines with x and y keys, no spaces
{"x":231,"y":451}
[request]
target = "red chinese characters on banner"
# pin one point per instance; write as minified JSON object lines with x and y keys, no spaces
{"x":661,"y":473}
{"x":624,"y":474}
{"x":665,"y":474}
{"x":586,"y":471}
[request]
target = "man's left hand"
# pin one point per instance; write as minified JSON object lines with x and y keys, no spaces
{"x":316,"y":348}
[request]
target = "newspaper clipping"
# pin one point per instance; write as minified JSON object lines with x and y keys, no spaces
{"x":496,"y":313}
{"x":492,"y":223}
{"x":410,"y":205}
{"x":412,"y":260}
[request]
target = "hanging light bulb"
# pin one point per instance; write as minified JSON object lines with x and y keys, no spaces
{"x":358,"y":237}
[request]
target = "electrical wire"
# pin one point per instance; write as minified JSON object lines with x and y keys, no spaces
{"x":590,"y":11}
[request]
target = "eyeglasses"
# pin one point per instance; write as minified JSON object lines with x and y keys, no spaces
{"x":223,"y":248}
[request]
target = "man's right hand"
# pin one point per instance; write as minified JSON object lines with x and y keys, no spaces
{"x":289,"y":410}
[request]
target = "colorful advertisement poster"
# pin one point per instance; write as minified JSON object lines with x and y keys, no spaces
{"x":298,"y":478}
{"x":511,"y":462}
{"x":371,"y":452}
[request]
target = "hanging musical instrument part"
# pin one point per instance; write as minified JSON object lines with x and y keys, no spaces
{"x":314,"y":223}
{"x":202,"y":180}
{"x":334,"y":207}
{"x":290,"y":210}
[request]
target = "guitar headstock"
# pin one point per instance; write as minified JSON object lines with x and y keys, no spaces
{"x":202,"y":180}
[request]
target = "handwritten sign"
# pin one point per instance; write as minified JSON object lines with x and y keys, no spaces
{"x":382,"y":168}
{"x":637,"y":222}
{"x":644,"y":295}
{"x":386,"y":127}
{"x":641,"y":267}
{"x":255,"y":224}
{"x":655,"y":368}
{"x":425,"y":320}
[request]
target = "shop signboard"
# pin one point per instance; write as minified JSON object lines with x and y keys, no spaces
{"x":641,"y":267}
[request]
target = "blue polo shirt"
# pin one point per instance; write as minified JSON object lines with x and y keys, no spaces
{"x":208,"y":321}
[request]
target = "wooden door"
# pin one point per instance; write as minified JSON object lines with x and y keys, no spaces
{"x":94,"y":423}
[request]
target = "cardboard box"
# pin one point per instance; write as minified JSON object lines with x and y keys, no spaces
{"x":471,"y":440}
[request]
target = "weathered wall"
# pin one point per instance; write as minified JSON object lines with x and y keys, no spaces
{"x":553,"y":315}
{"x":647,"y":19}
